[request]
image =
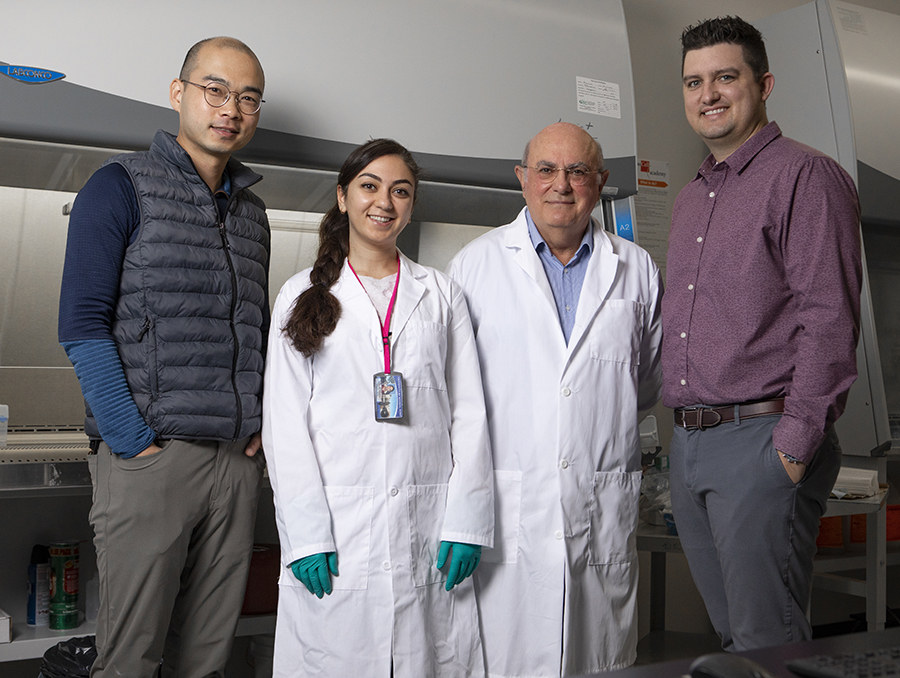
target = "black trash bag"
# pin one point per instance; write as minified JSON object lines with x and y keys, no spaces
{"x":69,"y":659}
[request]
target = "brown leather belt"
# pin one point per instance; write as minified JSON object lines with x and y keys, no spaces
{"x":700,"y":418}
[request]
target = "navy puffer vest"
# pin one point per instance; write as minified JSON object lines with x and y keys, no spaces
{"x":191,"y":316}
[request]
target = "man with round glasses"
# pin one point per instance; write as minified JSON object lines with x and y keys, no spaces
{"x":217,"y":95}
{"x":567,"y":325}
{"x":164,"y":314}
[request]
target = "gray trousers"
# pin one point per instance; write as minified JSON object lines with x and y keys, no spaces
{"x":748,"y":532}
{"x":173,"y":534}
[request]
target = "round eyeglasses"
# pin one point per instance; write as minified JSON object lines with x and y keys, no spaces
{"x":577,"y":176}
{"x":217,"y":95}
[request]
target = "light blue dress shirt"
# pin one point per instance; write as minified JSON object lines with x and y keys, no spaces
{"x":565,"y":281}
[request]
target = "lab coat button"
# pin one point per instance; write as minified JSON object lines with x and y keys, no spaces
{"x":394,"y":491}
{"x":559,"y":534}
{"x":386,"y":565}
{"x":566,"y":392}
{"x":564,"y":463}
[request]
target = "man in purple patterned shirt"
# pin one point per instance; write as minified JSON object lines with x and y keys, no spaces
{"x":761,"y":320}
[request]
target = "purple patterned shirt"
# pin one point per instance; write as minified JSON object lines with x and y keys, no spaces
{"x":762,"y":287}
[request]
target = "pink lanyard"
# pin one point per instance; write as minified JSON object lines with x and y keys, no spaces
{"x":386,"y":325}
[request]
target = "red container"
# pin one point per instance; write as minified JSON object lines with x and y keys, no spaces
{"x":261,"y":596}
{"x":858,"y":525}
{"x":831,"y":532}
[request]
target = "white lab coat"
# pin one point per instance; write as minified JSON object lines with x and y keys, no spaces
{"x":557,"y":594}
{"x":383,"y":495}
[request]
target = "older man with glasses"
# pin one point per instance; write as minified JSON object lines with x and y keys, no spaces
{"x":567,"y":324}
{"x":164,"y":314}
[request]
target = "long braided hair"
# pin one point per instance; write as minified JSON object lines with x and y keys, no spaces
{"x":315,"y":313}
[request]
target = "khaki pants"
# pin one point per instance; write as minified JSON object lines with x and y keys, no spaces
{"x":173,"y":534}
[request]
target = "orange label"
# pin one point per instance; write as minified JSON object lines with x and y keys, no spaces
{"x":650,"y":182}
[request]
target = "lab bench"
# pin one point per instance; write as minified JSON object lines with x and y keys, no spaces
{"x":827,"y":568}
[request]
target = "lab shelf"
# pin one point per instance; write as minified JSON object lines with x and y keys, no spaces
{"x":854,"y":560}
{"x":55,"y":501}
{"x":40,"y":492}
{"x":31,"y":642}
{"x":656,"y":538}
{"x":849,"y":507}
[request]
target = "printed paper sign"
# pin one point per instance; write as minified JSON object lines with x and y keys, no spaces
{"x":598,"y":97}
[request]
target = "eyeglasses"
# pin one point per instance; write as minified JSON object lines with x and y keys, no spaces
{"x":217,"y":95}
{"x":578,"y":176}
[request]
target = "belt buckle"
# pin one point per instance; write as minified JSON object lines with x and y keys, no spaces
{"x":684,"y":412}
{"x":700,"y":411}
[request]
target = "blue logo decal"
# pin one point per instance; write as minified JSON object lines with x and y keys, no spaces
{"x":33,"y":76}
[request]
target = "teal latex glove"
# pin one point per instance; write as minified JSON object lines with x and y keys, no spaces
{"x":463,"y":561}
{"x":313,"y":572}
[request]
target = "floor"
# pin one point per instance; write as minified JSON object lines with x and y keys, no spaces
{"x":663,"y":646}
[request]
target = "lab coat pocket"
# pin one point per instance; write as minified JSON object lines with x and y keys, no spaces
{"x":351,"y":524}
{"x":507,"y":505}
{"x":620,"y":340}
{"x":427,"y":505}
{"x":614,"y":516}
{"x":421,"y":353}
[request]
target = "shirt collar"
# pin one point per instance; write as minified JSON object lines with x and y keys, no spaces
{"x":587,"y":240}
{"x":226,"y":183}
{"x":739,"y":160}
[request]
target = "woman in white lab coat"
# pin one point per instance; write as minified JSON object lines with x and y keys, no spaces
{"x":372,"y":496}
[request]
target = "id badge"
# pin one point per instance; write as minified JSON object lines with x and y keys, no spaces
{"x":388,"y":396}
